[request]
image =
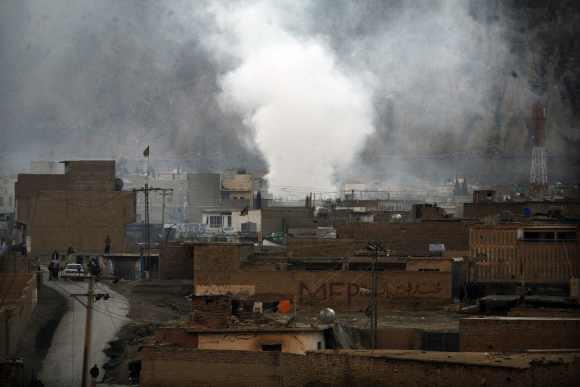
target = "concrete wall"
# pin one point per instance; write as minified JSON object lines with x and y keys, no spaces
{"x":509,"y":334}
{"x":174,"y":201}
{"x":292,"y":342}
{"x":203,"y":191}
{"x":170,"y":366}
{"x":410,"y":238}
{"x":7,"y":199}
{"x":253,"y":216}
{"x":278,"y":219}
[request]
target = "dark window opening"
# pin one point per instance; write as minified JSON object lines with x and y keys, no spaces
{"x":549,"y":236}
{"x":272,"y":347}
{"x":567,"y":235}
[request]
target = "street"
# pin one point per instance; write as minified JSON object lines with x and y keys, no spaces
{"x":63,"y":364}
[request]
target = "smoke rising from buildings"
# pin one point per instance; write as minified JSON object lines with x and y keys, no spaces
{"x":309,"y":116}
{"x":102,"y":79}
{"x":318,"y":92}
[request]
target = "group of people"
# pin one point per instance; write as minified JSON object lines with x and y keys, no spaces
{"x":93,"y":266}
{"x":15,"y":247}
{"x":54,"y":266}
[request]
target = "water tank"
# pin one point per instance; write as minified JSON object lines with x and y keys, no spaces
{"x":327,"y":316}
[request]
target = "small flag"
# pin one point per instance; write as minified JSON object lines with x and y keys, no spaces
{"x":146,"y":151}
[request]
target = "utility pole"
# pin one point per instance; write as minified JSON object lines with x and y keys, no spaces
{"x":375,"y":247}
{"x":91,"y":296}
{"x":146,"y":189}
{"x":88,"y":330}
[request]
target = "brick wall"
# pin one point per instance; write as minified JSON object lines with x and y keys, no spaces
{"x":429,"y":264}
{"x":59,"y":219}
{"x":216,"y":257}
{"x":323,"y":248}
{"x":175,"y":336}
{"x":176,"y":261}
{"x":218,"y":272}
{"x":343,"y":290}
{"x":18,"y":295}
{"x":410,"y":238}
{"x":398,"y":338}
{"x":487,"y":209}
{"x":211,"y":311}
{"x":502,"y":257}
{"x":165,"y":367}
{"x":508,"y":334}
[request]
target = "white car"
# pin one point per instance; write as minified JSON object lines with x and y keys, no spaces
{"x":73,"y":271}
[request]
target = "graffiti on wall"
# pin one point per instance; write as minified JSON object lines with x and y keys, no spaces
{"x":346,"y":291}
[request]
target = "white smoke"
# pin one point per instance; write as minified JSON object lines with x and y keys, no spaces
{"x":309,"y":116}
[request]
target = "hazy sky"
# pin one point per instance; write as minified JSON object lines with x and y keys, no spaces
{"x":314,"y":91}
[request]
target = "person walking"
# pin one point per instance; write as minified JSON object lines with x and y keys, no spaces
{"x":54,"y":265}
{"x":108,"y":245}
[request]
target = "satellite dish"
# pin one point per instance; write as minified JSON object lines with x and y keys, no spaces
{"x":327,"y":316}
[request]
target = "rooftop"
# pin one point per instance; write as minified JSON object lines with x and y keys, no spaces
{"x":512,"y":360}
{"x":259,"y":329}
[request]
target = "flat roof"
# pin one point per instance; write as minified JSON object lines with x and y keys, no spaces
{"x":520,"y":360}
{"x":258,"y":329}
{"x":522,"y":318}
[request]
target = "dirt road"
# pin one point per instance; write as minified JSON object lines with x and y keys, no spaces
{"x":63,"y":363}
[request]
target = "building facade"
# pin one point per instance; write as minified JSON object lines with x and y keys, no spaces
{"x":524,"y":253}
{"x":78,"y":209}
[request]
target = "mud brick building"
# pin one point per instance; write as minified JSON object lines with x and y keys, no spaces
{"x":164,"y":366}
{"x":18,"y":298}
{"x":78,"y":208}
{"x":411,"y":239}
{"x":513,"y":334}
{"x":524,"y":253}
{"x":218,"y":270}
{"x":486,"y":205}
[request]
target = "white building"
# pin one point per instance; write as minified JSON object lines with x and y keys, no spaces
{"x":7,"y":194}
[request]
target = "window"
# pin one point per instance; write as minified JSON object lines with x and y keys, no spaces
{"x":548,"y":236}
{"x":229,"y":221}
{"x":215,"y":221}
{"x":272,"y":347}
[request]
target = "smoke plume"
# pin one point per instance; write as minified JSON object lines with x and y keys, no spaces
{"x":309,"y":116}
{"x":319,"y":92}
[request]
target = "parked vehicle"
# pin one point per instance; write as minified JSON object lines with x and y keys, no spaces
{"x":73,"y":271}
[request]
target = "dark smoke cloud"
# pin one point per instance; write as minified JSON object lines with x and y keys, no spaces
{"x":101,"y":79}
{"x":449,"y":83}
